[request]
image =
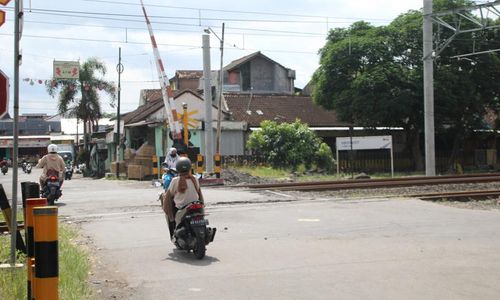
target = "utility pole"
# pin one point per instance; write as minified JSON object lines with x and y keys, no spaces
{"x":219,"y":104}
{"x":119,"y":69}
{"x":430,"y":161}
{"x":207,"y":96}
{"x":13,"y":232}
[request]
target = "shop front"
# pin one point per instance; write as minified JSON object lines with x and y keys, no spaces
{"x":31,"y":148}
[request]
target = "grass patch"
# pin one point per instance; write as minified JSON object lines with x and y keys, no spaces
{"x":302,"y":175}
{"x":265,"y":172}
{"x":74,"y":267}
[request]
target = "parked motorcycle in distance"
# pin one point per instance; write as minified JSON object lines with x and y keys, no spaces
{"x":68,"y":171}
{"x":193,"y":232}
{"x":4,"y":169}
{"x":52,"y":187}
{"x":26,"y":167}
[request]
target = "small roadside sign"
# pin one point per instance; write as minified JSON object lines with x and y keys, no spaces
{"x":66,"y":69}
{"x":4,"y":94}
{"x":2,"y":17}
{"x":2,"y":13}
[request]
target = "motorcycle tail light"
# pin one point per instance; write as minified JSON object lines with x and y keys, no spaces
{"x":53,"y":178}
{"x":196,"y":206}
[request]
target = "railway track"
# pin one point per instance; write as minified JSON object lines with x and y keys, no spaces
{"x":378,"y":183}
{"x":463,"y":195}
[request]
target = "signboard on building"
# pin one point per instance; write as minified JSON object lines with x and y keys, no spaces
{"x":66,"y":69}
{"x":7,"y":142}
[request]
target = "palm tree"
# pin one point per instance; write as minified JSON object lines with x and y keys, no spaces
{"x":80,"y":97}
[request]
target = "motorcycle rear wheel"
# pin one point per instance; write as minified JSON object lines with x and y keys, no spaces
{"x":199,"y":249}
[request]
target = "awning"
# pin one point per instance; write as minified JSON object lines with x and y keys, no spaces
{"x":141,"y":123}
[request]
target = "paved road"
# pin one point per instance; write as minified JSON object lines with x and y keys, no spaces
{"x":273,"y":246}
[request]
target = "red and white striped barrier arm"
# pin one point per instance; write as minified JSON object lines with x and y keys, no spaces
{"x":166,"y":90}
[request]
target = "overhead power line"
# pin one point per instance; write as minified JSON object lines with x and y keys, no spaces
{"x":306,"y":34}
{"x":188,"y":47}
{"x":234,"y":11}
{"x":198,"y":25}
{"x":90,"y":13}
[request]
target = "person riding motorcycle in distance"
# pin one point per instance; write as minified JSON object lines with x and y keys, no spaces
{"x":51,"y":161}
{"x":183,"y":190}
{"x":4,"y":162}
{"x":171,"y":158}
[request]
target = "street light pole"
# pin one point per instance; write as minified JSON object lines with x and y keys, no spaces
{"x":119,"y":69}
{"x":220,"y":84}
{"x":13,"y":227}
{"x":219,"y":105}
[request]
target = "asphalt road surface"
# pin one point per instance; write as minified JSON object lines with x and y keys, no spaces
{"x":276,"y":246}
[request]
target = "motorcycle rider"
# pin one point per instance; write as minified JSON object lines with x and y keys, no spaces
{"x":171,"y":158}
{"x":4,"y":162}
{"x":23,"y":164}
{"x":51,"y":161}
{"x":183,"y":190}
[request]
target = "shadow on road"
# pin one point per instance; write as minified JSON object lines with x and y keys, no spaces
{"x":182,"y":256}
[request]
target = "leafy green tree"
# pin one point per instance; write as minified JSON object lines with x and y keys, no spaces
{"x":80,"y":98}
{"x":286,"y":144}
{"x":373,"y":76}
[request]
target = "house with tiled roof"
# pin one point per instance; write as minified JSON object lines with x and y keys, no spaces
{"x":255,"y":108}
{"x":256,"y":73}
{"x":148,"y":123}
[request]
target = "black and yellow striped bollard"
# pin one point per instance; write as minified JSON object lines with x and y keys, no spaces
{"x":46,"y":253}
{"x":200,"y":164}
{"x":154,"y":158}
{"x":217,"y":165}
{"x":30,"y":242}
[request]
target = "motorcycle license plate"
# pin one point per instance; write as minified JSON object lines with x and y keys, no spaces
{"x":199,"y":222}
{"x":53,"y":183}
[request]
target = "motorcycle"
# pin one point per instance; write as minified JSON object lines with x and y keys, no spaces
{"x":192,"y":233}
{"x":5,"y":169}
{"x":26,"y":167}
{"x":52,"y":188}
{"x":68,"y":172}
{"x":168,"y":175}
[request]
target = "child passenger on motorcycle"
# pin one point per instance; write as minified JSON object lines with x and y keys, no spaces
{"x":51,"y":161}
{"x":183,"y":190}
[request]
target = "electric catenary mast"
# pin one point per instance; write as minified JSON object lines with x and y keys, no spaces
{"x":166,"y":91}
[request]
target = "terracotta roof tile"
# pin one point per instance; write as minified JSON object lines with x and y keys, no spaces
{"x":280,"y":108}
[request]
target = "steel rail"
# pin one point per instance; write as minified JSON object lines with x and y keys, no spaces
{"x":386,"y":180}
{"x":462,"y":194}
{"x":339,"y":185}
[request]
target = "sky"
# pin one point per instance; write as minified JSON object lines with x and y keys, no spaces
{"x":290,"y":32}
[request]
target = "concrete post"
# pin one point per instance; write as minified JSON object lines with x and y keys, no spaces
{"x":430,"y":162}
{"x":207,"y":96}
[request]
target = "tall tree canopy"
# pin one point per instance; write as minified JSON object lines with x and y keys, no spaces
{"x":80,"y":98}
{"x":373,"y":76}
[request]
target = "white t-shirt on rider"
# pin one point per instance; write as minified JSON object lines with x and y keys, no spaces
{"x":181,"y":199}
